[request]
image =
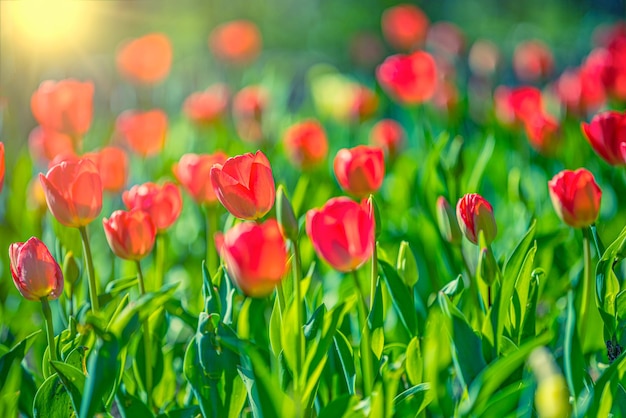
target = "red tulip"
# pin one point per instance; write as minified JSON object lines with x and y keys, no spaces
{"x":237,"y":42}
{"x":244,"y":185}
{"x":404,"y":26}
{"x":112,"y":163}
{"x":581,"y":90}
{"x":446,"y":39}
{"x":517,"y":105}
{"x":474,"y":214}
{"x":607,"y":135}
{"x":162,"y":203}
{"x":364,"y":104}
{"x":208,"y":106}
{"x":360,"y":170}
{"x":576,"y":197}
{"x":532,"y":60}
{"x":64,"y":106}
{"x":255,"y":256}
{"x":543,"y":132}
{"x":409,"y":79}
{"x":144,"y":132}
{"x":73,"y":191}
{"x":35,"y":272}
{"x":193,"y":172}
{"x":131,"y":234}
{"x":250,"y":102}
{"x":614,"y":61}
{"x":145,"y":60}
{"x":306,"y":144}
{"x":342,"y":232}
{"x":45,"y":145}
{"x":388,"y":135}
{"x":1,"y":165}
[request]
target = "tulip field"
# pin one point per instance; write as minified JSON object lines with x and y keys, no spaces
{"x":399,"y":214}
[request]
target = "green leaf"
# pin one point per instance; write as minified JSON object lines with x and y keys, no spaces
{"x":52,"y":400}
{"x":77,"y":358}
{"x":131,"y":406}
{"x":275,"y":328}
{"x":346,"y":360}
{"x":607,"y":284}
{"x":413,"y":401}
{"x":15,"y":354}
{"x":199,"y":381}
{"x":340,"y":407}
{"x":400,"y":298}
{"x":454,"y":287}
{"x":478,"y":168}
{"x":414,"y":362}
{"x":73,"y":380}
{"x":117,"y":286}
{"x":497,"y":372}
{"x":603,"y":392}
{"x":103,"y":368}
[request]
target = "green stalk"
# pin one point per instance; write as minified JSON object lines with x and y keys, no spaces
{"x":374,"y":275}
{"x":587,"y":283}
{"x":91,"y":277}
{"x":211,"y":228}
{"x":47,"y":314}
{"x":159,"y":260}
{"x":366,"y":355}
{"x":297,"y":276}
{"x":146,"y":339}
{"x":280,"y":294}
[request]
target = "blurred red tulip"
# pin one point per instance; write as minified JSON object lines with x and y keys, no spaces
{"x":409,"y":79}
{"x":163,"y":203}
{"x":404,"y":26}
{"x":112,"y":163}
{"x":614,"y":63}
{"x":306,"y":144}
{"x":145,"y":60}
{"x":45,"y":145}
{"x":250,"y":102}
{"x":131,"y":235}
{"x":580,"y":90}
{"x":73,"y":191}
{"x":65,"y":106}
{"x":576,"y":197}
{"x":532,"y":61}
{"x":342,"y":232}
{"x":360,"y":170}
{"x":244,"y":185}
{"x":193,"y":172}
{"x":1,"y":165}
{"x":144,"y":132}
{"x":607,"y":135}
{"x":483,"y":58}
{"x":474,"y":213}
{"x":388,"y":135}
{"x":237,"y":42}
{"x":208,"y":106}
{"x":35,"y":272}
{"x":255,"y":256}
{"x":543,"y":132}
{"x":365,"y":103}
{"x":366,"y":49}
{"x":446,"y":96}
{"x":446,"y":38}
{"x":514,"y":106}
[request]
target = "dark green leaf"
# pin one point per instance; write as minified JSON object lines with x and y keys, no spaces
{"x":400,"y":297}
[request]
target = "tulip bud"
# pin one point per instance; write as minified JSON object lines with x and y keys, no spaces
{"x":35,"y":272}
{"x":286,"y":218}
{"x":552,"y":394}
{"x":73,"y":191}
{"x":576,"y":197}
{"x":448,"y":224}
{"x":607,"y":136}
{"x":360,"y":170}
{"x":71,"y":270}
{"x":255,"y":256}
{"x":406,"y":265}
{"x":193,"y":172}
{"x":145,"y":60}
{"x":130,"y":235}
{"x":163,"y":203}
{"x":244,"y":185}
{"x":475,"y":214}
{"x":342,"y":232}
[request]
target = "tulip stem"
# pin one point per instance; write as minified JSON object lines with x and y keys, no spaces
{"x":211,"y":228}
{"x":91,"y":277}
{"x":146,"y":339}
{"x":374,"y":275}
{"x":47,"y":314}
{"x":587,"y":282}
{"x":366,"y":352}
{"x":159,"y":260}
{"x":297,"y":276}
